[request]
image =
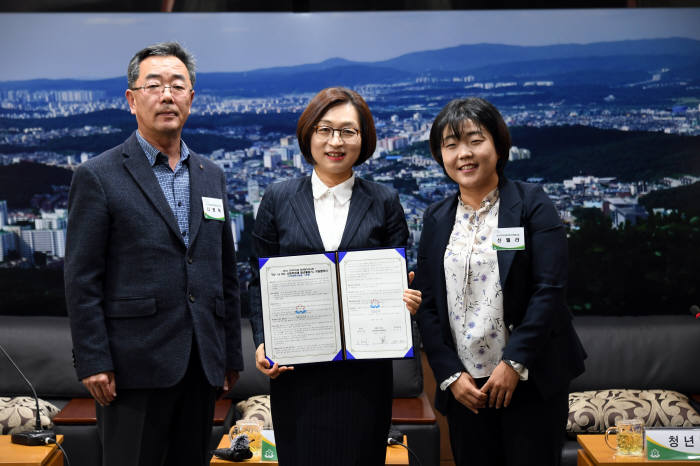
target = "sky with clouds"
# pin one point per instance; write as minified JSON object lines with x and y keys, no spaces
{"x":93,"y":46}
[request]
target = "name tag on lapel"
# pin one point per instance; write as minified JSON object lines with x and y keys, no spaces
{"x":213,"y":208}
{"x":509,"y":239}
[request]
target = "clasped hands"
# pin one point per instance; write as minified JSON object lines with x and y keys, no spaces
{"x":497,"y":391}
{"x":412,"y":298}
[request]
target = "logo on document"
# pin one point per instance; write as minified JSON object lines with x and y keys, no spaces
{"x":300,"y":309}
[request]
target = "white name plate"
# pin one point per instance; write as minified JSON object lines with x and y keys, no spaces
{"x":673,"y":443}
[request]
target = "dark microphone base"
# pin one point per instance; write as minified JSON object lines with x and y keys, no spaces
{"x":33,"y":437}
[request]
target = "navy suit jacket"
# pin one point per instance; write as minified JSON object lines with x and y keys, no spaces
{"x":135,"y":293}
{"x":286,"y":225}
{"x":533,"y":281}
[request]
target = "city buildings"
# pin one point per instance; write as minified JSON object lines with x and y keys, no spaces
{"x":403,"y":115}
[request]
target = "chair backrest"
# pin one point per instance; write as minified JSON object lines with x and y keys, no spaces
{"x":42,"y":348}
{"x":640,"y":352}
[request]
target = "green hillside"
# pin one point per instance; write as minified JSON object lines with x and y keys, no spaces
{"x":683,"y":199}
{"x":562,"y":152}
{"x":20,"y":181}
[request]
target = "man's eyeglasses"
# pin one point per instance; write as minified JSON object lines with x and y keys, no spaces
{"x":346,"y":134}
{"x":176,"y":90}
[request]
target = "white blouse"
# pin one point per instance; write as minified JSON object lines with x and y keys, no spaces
{"x":474,"y":296}
{"x":331,"y":206}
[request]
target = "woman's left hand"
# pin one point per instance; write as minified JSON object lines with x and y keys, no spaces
{"x":411,"y":297}
{"x":501,"y":385}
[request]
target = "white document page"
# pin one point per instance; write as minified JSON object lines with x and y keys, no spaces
{"x":376,"y":321}
{"x":300,"y":309}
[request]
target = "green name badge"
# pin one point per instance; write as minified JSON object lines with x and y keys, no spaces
{"x":213,"y":208}
{"x":672,"y":443}
{"x":509,"y":239}
{"x":268,"y":451}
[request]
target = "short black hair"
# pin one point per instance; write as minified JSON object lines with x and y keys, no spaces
{"x":480,"y":112}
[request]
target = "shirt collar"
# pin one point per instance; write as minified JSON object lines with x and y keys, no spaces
{"x":152,"y":153}
{"x":486,"y":205}
{"x":342,"y":191}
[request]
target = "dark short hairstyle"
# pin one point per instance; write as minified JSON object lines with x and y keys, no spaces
{"x":162,"y":49}
{"x":483,"y":114}
{"x":318,"y":107}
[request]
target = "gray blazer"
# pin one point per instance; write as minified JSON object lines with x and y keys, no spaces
{"x":286,"y":225}
{"x":135,"y":293}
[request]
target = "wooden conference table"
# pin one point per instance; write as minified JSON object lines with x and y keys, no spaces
{"x":22,"y":455}
{"x":395,"y":454}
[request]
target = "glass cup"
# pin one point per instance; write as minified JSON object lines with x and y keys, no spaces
{"x":253,"y":429}
{"x":630,"y":437}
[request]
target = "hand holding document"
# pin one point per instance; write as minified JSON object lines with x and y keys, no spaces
{"x":272,"y":370}
{"x":412,"y":298}
{"x":335,"y":306}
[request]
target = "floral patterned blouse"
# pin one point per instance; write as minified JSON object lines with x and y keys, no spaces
{"x":474,"y":296}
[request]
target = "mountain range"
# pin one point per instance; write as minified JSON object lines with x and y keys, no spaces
{"x":609,"y":63}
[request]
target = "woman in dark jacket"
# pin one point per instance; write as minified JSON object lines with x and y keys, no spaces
{"x":330,"y":413}
{"x":492,"y":266}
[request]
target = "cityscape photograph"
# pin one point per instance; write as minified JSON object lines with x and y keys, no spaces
{"x":603,"y":108}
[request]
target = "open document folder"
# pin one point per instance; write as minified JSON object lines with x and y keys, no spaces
{"x":335,"y":306}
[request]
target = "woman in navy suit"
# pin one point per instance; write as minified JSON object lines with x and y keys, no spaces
{"x":492,"y":266}
{"x":330,"y":413}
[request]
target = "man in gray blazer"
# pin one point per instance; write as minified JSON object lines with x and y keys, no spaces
{"x":150,"y":277}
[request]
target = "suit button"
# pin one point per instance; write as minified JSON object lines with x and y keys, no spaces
{"x":189,"y":260}
{"x":191,"y":298}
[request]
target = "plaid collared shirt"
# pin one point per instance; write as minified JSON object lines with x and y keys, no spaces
{"x":174,"y":183}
